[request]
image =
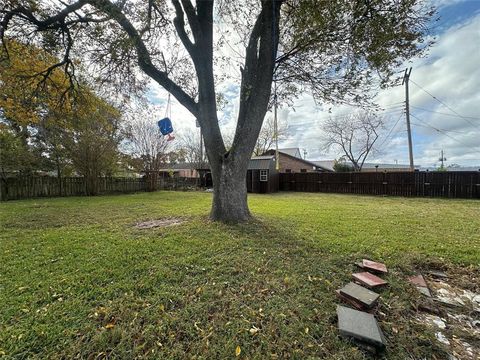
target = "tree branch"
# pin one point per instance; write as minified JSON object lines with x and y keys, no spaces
{"x":179,"y":23}
{"x":143,"y":56}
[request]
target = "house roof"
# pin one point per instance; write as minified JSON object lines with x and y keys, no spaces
{"x":260,"y":162}
{"x":325,"y":164}
{"x":180,"y":166}
{"x":456,"y":168}
{"x":464,"y":168}
{"x":329,"y":164}
{"x":310,"y":163}
{"x":387,"y":166}
{"x":255,"y":163}
{"x":295,"y":152}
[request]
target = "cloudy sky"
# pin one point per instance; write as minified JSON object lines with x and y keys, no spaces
{"x":444,"y":101}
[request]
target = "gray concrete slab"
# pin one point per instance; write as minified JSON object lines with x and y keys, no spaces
{"x":424,"y":290}
{"x":360,"y":326}
{"x":360,"y":294}
{"x":438,"y":274}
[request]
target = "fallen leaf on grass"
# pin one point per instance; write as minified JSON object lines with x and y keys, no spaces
{"x":110,"y":326}
{"x":198,"y":328}
{"x":238,"y":350}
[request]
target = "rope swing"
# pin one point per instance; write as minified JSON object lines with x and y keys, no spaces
{"x":165,"y":124}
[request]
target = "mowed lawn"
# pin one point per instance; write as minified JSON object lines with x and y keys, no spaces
{"x":78,"y":280}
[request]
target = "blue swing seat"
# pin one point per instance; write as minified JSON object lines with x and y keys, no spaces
{"x":165,"y":126}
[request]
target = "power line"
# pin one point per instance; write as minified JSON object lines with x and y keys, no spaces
{"x":395,"y":103}
{"x":436,"y":129}
{"x":390,"y":132}
{"x":442,"y":113}
{"x":441,"y":102}
{"x":317,"y":121}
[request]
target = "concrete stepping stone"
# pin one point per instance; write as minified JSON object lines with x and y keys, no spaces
{"x":358,"y":294}
{"x":369,"y":280}
{"x":420,"y":284}
{"x":349,"y":301}
{"x":417,"y":280}
{"x":360,"y":326}
{"x":424,"y":290}
{"x":374,"y":266}
{"x":437,"y":274}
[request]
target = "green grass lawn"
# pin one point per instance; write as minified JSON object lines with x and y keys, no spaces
{"x":78,"y":280}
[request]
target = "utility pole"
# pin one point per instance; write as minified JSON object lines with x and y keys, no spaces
{"x":442,"y":159}
{"x":406,"y":77}
{"x":305,"y":154}
{"x":201,"y":147}
{"x":201,"y":142}
{"x":275,"y":126}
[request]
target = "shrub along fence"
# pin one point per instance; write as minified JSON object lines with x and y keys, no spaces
{"x":44,"y":186}
{"x":456,"y":184}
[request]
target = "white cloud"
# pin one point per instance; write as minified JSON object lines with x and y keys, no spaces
{"x":451,"y":73}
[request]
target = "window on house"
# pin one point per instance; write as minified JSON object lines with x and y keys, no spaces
{"x":263,"y":175}
{"x":303,"y":170}
{"x":288,"y":170}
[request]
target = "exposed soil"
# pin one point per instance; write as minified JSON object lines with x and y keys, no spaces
{"x":453,"y":312}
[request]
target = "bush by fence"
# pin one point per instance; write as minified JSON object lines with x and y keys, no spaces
{"x":435,"y":184}
{"x":32,"y":187}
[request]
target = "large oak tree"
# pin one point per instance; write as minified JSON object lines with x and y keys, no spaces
{"x":336,"y":49}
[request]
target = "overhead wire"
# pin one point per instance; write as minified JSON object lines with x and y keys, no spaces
{"x":442,"y":131}
{"x":442,"y":113}
{"x":316,"y":121}
{"x":444,"y":104}
{"x":390,"y":132}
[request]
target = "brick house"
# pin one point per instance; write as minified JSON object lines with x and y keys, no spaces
{"x":290,"y":161}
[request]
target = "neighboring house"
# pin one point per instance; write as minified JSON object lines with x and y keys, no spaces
{"x":290,"y":163}
{"x":295,"y":152}
{"x":463,"y":168}
{"x":326,"y":164}
{"x":368,"y":167}
{"x":453,"y":168}
{"x":184,"y":169}
{"x":373,"y":167}
{"x":262,"y":177}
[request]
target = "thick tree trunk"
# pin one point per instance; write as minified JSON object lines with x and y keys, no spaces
{"x":230,"y":194}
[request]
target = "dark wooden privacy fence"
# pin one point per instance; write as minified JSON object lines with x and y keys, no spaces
{"x":32,"y":187}
{"x":433,"y":184}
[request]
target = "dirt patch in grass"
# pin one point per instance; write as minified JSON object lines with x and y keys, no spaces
{"x":453,"y":313}
{"x":159,"y":223}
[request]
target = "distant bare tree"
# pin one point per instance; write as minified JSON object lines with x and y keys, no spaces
{"x":354,"y":135}
{"x":266,"y":138}
{"x":147,"y":142}
{"x":189,"y":147}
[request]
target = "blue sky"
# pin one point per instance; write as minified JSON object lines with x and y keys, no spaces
{"x":451,"y":73}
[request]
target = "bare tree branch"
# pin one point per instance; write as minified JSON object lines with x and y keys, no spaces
{"x":354,"y":134}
